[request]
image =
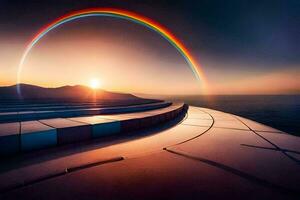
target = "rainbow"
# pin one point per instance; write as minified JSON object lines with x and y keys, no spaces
{"x":122,"y":14}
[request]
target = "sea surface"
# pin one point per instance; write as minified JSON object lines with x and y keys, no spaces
{"x":279,"y":111}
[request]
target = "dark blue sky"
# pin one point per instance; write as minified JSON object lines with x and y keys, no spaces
{"x":264,"y":31}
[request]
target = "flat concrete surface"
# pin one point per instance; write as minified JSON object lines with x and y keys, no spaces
{"x":91,"y":120}
{"x":33,"y":126}
{"x":207,"y":154}
{"x":8,"y":129}
{"x":61,"y":123}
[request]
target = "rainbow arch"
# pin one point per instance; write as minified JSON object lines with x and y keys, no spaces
{"x":117,"y":13}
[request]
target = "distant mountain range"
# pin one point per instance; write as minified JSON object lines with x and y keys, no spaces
{"x":78,"y":92}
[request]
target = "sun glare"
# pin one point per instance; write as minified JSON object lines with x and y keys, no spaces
{"x":94,"y":83}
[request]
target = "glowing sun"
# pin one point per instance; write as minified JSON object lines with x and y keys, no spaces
{"x":95,"y":83}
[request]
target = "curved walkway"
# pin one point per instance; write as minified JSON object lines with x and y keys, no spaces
{"x":208,"y":154}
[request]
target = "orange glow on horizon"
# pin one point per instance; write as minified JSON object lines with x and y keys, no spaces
{"x":122,"y":14}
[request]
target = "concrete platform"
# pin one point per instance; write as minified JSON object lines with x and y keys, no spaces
{"x":58,"y":131}
{"x":35,"y":135}
{"x":9,"y":138}
{"x":54,"y":105}
{"x":201,"y":156}
{"x":100,"y":126}
{"x":73,"y":111}
{"x":69,"y":131}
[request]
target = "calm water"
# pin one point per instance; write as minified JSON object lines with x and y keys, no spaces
{"x":281,"y":112}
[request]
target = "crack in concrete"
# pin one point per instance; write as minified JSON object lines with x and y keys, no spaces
{"x":60,"y":173}
{"x":237,"y":172}
{"x":270,"y":142}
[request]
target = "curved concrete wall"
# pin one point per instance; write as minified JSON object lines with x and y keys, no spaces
{"x":47,"y":114}
{"x":38,"y":134}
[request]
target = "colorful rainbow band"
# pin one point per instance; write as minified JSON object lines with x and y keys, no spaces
{"x":123,"y":14}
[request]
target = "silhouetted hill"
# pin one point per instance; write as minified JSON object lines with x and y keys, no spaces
{"x":78,"y":93}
